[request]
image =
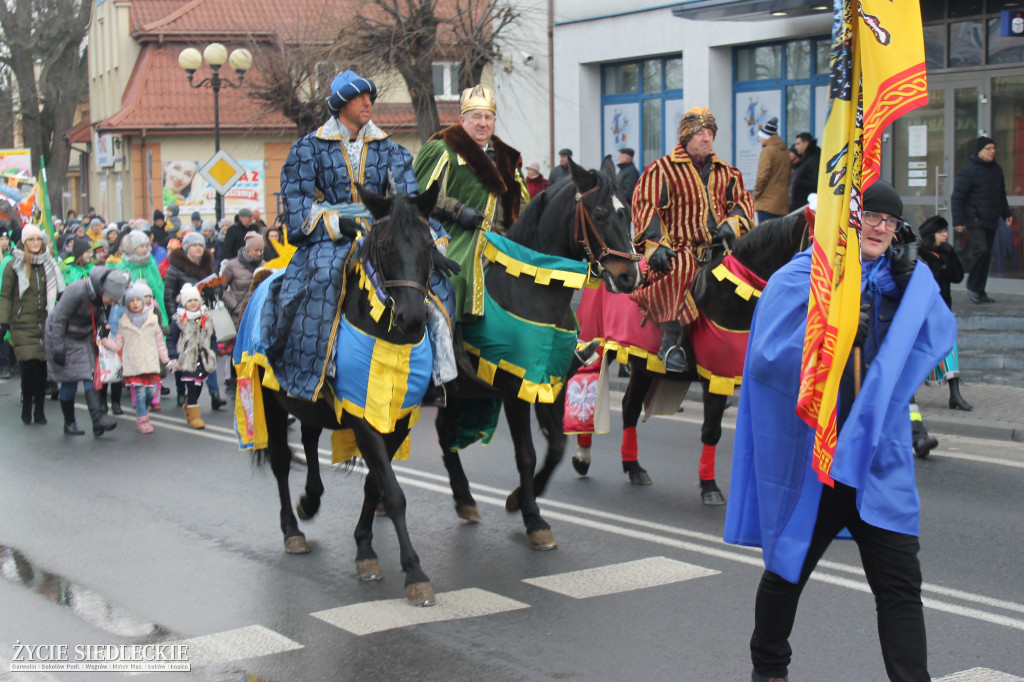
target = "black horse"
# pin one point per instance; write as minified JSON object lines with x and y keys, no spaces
{"x":398,"y":249}
{"x":763,"y":250}
{"x":576,"y":219}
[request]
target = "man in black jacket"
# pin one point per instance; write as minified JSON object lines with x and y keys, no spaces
{"x":978,"y":202}
{"x":235,"y":237}
{"x":805,"y":178}
{"x":628,"y":175}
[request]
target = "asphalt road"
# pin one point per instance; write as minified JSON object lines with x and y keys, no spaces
{"x":174,"y":538}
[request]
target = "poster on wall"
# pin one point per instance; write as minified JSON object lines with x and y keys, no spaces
{"x":752,"y":110}
{"x":183,"y":185}
{"x":621,"y":127}
{"x":16,"y":168}
{"x":673,"y":112}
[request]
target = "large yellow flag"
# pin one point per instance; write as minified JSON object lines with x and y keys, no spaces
{"x":877,"y":74}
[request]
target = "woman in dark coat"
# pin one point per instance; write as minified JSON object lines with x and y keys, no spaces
{"x":31,"y":283}
{"x":71,"y":330}
{"x":190,"y":264}
{"x":938,"y":254}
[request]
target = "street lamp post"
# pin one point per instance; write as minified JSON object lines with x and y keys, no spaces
{"x":215,"y":55}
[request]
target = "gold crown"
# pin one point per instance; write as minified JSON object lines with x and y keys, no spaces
{"x":477,"y":97}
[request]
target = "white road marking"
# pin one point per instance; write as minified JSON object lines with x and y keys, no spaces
{"x":979,"y":675}
{"x":234,"y":645}
{"x":623,"y":577}
{"x":378,"y":616}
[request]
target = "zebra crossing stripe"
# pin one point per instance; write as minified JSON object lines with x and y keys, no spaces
{"x":252,"y":641}
{"x":980,"y":675}
{"x":624,"y":577}
{"x":378,"y":616}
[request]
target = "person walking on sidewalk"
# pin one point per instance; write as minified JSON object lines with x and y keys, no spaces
{"x":978,"y":202}
{"x":72,"y":329}
{"x":778,"y":501}
{"x":28,"y":293}
{"x":140,"y":341}
{"x":937,"y":253}
{"x":771,"y":188}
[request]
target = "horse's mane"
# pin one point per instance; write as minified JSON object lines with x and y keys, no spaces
{"x":771,"y":244}
{"x":389,"y":235}
{"x":528,"y":230}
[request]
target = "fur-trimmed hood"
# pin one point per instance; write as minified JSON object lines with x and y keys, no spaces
{"x":178,"y":259}
{"x":499,"y":177}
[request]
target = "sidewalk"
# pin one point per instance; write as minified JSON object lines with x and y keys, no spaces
{"x":998,"y":412}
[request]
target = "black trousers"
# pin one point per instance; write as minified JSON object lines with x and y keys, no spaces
{"x":33,"y":380}
{"x":981,"y":258}
{"x":893,"y":572}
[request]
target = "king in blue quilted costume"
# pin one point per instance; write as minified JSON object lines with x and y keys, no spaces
{"x":320,"y":202}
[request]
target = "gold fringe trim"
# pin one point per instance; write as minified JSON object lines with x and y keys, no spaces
{"x":542,"y":276}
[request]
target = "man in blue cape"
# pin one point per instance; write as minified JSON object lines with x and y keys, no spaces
{"x":776,"y":500}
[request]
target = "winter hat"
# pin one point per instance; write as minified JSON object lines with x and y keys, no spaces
{"x":158,"y":215}
{"x":80,"y":246}
{"x":208,"y":226}
{"x":534,"y":165}
{"x":880,"y":197}
{"x":189,"y":293}
{"x":245,"y":213}
{"x":695,"y":120}
{"x":114,"y":284}
{"x":984,"y":142}
{"x":111,"y":227}
{"x":134,"y":240}
{"x":932,"y":225}
{"x":253,"y":240}
{"x":138,"y":289}
{"x":195,"y":216}
{"x":173,"y":210}
{"x":192,"y":239}
{"x":768,"y":129}
{"x":30,"y":231}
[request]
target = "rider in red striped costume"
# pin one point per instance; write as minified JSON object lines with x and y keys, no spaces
{"x":679,"y":207}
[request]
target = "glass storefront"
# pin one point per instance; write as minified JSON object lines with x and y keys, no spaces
{"x":641,"y":106}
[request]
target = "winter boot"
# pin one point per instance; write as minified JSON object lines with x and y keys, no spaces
{"x":672,"y":351}
{"x":40,"y":400}
{"x":216,"y":402}
{"x":956,"y":401}
{"x":70,"y":426}
{"x":115,"y":398}
{"x":101,"y":423}
{"x":193,"y":418}
{"x":144,"y":425}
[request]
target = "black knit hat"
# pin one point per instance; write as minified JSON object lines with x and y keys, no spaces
{"x":984,"y":142}
{"x":158,"y":215}
{"x":80,"y":246}
{"x":932,"y":225}
{"x":881,"y":197}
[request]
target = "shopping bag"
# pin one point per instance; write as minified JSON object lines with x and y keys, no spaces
{"x":223,"y":325}
{"x":108,"y":367}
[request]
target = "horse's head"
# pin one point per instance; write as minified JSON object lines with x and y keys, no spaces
{"x":602,"y":229}
{"x":398,"y":251}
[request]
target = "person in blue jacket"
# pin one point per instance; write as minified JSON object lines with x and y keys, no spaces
{"x":777,"y":501}
{"x":324,"y":214}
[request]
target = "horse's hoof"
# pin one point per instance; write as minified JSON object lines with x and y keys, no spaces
{"x":542,"y":540}
{"x":467,"y":512}
{"x":512,"y":502}
{"x":296,"y":544}
{"x":420,"y":594}
{"x":380,"y":510}
{"x":581,"y":467}
{"x":710,"y":494}
{"x":369,"y":569}
{"x":300,"y":511}
{"x":640,"y":477}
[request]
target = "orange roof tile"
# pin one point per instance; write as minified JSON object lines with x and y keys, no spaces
{"x":81,"y":132}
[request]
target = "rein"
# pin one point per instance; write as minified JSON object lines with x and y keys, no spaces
{"x":581,"y":221}
{"x":374,"y":256}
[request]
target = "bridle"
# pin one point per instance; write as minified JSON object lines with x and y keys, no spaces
{"x":582,"y":221}
{"x":374,"y":256}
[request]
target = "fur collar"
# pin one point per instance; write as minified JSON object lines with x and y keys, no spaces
{"x":499,"y":177}
{"x":178,"y":259}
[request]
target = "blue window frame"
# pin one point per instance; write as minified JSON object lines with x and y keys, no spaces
{"x":640,"y":100}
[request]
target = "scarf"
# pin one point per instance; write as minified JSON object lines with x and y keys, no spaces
{"x":139,"y":319}
{"x":54,"y":280}
{"x":876,"y":278}
{"x":245,"y":259}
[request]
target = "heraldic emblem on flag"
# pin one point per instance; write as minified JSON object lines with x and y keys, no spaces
{"x":877,"y":75}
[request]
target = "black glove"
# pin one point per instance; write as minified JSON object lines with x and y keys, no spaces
{"x":904,"y":258}
{"x":862,"y":324}
{"x":104,"y":331}
{"x":4,"y":328}
{"x":348,"y":227}
{"x":661,"y":259}
{"x":726,"y":236}
{"x":469,"y":217}
{"x":446,"y":266}
{"x":59,"y":357}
